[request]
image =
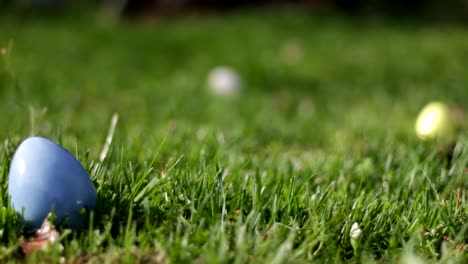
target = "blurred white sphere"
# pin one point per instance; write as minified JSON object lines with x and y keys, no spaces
{"x":224,"y":80}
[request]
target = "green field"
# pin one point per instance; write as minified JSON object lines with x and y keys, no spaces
{"x":321,"y":136}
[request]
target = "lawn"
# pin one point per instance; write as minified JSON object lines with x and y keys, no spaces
{"x":320,"y":137}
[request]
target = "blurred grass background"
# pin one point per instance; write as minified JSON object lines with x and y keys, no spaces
{"x":366,"y":76}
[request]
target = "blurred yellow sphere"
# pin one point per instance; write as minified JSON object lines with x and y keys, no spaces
{"x":435,"y":121}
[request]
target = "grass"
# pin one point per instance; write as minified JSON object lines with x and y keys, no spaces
{"x":277,"y":174}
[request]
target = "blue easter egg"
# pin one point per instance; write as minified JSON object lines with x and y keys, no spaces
{"x":44,"y":177}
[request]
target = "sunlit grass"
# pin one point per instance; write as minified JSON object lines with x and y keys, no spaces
{"x":277,"y":174}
